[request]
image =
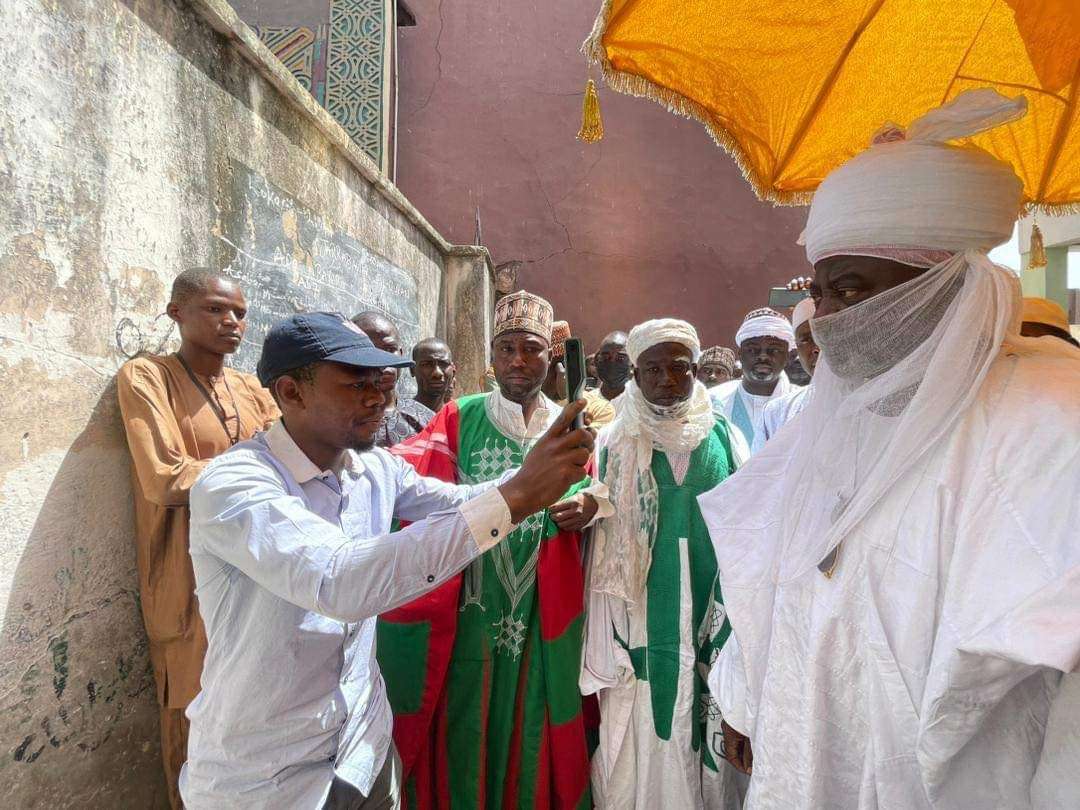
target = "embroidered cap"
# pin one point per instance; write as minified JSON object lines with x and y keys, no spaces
{"x":560,"y":331}
{"x":523,"y":312}
{"x":765,"y":322}
{"x":721,"y":355}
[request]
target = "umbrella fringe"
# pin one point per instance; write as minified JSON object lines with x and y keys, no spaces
{"x":1052,"y":209}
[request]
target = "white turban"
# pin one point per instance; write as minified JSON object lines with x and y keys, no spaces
{"x":913,"y":190}
{"x":662,"y":330}
{"x":804,"y":311}
{"x":765,"y":322}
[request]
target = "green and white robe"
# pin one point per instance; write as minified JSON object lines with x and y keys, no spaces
{"x":660,"y":738}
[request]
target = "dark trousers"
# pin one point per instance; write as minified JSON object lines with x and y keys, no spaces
{"x":385,"y":792}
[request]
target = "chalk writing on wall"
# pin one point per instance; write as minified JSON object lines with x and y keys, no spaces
{"x":290,"y":260}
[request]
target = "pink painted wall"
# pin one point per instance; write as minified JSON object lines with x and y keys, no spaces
{"x":653,"y":220}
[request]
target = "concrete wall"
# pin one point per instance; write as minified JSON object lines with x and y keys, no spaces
{"x":653,"y":220}
{"x":469,"y":304}
{"x":125,"y":132}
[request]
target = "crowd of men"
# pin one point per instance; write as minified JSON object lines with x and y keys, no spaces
{"x":833,"y":567}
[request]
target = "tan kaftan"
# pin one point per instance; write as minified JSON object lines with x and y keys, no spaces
{"x":172,"y":431}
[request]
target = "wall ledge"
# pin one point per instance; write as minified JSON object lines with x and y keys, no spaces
{"x":476,"y":252}
{"x":224,"y":19}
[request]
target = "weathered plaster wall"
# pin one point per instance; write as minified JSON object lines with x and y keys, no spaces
{"x":469,"y":303}
{"x":653,"y":220}
{"x":124,"y":128}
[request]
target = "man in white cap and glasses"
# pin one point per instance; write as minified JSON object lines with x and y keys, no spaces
{"x":764,"y":341}
{"x":779,"y":411}
{"x":905,"y":596}
{"x":655,"y":608}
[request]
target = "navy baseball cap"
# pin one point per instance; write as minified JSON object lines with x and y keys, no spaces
{"x":313,"y":337}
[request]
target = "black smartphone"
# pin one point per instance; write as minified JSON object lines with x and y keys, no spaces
{"x":783,"y":297}
{"x":575,"y":374}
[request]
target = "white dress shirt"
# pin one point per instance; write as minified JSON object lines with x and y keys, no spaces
{"x":292,"y":566}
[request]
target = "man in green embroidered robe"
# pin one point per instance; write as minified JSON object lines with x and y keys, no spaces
{"x":482,"y":673}
{"x":655,"y":610}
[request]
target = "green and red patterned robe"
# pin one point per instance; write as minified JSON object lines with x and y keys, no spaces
{"x":482,"y":673}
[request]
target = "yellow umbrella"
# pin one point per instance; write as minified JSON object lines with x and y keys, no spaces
{"x":793,"y":88}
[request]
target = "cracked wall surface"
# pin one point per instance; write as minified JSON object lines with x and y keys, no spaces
{"x":653,"y":220}
{"x":129,"y":132}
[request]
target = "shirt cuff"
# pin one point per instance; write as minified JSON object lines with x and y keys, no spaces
{"x":604,"y":507}
{"x":488,"y":518}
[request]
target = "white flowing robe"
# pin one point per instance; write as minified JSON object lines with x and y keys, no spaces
{"x":633,"y":769}
{"x":778,"y":412}
{"x":928,"y":671}
{"x":745,"y":410}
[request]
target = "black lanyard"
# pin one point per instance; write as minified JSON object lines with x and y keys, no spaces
{"x":214,"y":406}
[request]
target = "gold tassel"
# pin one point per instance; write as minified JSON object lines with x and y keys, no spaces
{"x":1036,"y":253}
{"x":592,"y":126}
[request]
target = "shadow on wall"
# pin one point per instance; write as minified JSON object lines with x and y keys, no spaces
{"x":78,"y":712}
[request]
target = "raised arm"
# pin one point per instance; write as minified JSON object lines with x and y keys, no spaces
{"x":420,"y":495}
{"x":242,"y":514}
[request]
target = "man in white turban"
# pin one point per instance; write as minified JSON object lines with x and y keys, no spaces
{"x":781,"y":410}
{"x":905,"y":599}
{"x":655,"y":618}
{"x":764,"y":341}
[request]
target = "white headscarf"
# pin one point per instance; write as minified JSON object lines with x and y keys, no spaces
{"x":804,"y":311}
{"x":915,"y":191}
{"x":662,"y":330}
{"x":897,"y":371}
{"x":765,"y":322}
{"x":622,"y":549}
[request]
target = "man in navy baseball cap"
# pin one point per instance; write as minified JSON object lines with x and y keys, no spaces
{"x":313,"y":337}
{"x":293,"y":558}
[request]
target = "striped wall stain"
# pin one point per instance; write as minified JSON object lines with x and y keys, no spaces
{"x":58,"y":648}
{"x":88,"y":716}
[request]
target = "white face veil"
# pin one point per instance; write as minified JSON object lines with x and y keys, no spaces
{"x":897,"y":372}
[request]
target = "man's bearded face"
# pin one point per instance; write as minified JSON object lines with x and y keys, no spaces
{"x":763,"y":358}
{"x":343,"y":404}
{"x":666,"y":373}
{"x":520,"y":360}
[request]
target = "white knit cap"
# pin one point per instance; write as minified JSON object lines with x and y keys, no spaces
{"x":662,"y":330}
{"x":765,"y":322}
{"x":913,"y":190}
